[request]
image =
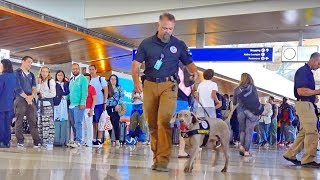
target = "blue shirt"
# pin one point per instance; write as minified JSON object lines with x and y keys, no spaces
{"x":304,"y":79}
{"x":150,"y":50}
{"x":25,"y":83}
{"x":7,"y":85}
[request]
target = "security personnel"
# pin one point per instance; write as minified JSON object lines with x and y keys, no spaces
{"x":161,"y":54}
{"x":304,"y":91}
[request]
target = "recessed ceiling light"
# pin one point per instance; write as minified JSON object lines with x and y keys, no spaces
{"x":306,"y":25}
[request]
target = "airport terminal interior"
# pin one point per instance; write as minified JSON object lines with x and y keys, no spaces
{"x":92,"y":123}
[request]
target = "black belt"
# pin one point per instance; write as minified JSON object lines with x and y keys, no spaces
{"x":301,"y":99}
{"x":162,"y":79}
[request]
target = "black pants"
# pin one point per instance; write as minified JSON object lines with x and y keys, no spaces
{"x":115,"y":119}
{"x":234,"y":123}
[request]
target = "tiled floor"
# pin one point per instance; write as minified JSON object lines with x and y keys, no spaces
{"x":134,"y":163}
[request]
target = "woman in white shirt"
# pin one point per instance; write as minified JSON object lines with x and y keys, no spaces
{"x":265,"y":121}
{"x":46,"y":92}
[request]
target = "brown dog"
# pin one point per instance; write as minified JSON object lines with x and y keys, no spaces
{"x":219,"y":136}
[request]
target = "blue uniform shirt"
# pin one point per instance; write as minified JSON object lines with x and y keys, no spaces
{"x":150,"y":50}
{"x":304,"y":79}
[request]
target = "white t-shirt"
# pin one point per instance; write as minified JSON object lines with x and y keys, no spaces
{"x":99,"y":86}
{"x":205,"y":89}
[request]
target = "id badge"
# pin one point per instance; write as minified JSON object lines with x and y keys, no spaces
{"x":158,"y":64}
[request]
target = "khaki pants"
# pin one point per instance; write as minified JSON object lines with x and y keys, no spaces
{"x":307,"y":138}
{"x":159,"y":104}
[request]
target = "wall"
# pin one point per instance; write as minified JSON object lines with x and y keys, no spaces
{"x":97,"y":8}
{"x":70,"y":10}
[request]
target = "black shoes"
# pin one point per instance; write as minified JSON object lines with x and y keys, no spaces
{"x":312,"y":164}
{"x":294,"y":161}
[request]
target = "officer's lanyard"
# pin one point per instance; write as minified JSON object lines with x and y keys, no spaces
{"x":159,"y":62}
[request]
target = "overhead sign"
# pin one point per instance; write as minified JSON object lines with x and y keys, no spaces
{"x":263,"y":54}
{"x":297,"y":53}
{"x":4,"y":54}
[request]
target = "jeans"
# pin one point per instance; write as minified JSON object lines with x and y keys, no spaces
{"x":247,"y":122}
{"x":273,"y":132}
{"x":77,"y":115}
{"x":264,"y":130}
{"x":5,"y":126}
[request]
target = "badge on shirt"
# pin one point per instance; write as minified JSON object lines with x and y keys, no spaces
{"x":159,"y":62}
{"x":173,"y":49}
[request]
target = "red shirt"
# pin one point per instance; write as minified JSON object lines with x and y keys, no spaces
{"x":91,"y":93}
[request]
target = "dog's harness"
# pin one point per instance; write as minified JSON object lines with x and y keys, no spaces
{"x":204,"y":129}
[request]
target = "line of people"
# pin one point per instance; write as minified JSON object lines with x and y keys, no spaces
{"x":52,"y":106}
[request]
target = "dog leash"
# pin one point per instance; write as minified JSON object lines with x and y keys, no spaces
{"x":206,"y":112}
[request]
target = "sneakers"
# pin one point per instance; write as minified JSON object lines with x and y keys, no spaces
{"x":69,"y":143}
{"x":38,"y":146}
{"x":20,"y":145}
{"x":75,"y":144}
{"x":97,"y":144}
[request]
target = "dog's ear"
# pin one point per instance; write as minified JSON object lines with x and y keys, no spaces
{"x":194,"y":118}
{"x":174,"y":118}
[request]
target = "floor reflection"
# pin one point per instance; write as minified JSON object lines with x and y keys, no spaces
{"x":130,"y":162}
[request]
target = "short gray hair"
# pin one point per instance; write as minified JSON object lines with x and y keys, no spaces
{"x":315,"y":55}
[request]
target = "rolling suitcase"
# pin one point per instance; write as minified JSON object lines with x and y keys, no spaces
{"x":123,"y":132}
{"x":175,"y":135}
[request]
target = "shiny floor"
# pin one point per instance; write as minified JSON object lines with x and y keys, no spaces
{"x":129,"y":162}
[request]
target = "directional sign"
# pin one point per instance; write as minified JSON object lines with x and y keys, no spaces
{"x":233,"y":54}
{"x":262,"y":54}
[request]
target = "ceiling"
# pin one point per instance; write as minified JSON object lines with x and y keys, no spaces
{"x":240,"y":29}
{"x":53,"y":44}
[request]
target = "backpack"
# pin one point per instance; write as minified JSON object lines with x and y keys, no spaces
{"x":224,"y":102}
{"x":249,"y":97}
{"x":288,"y":110}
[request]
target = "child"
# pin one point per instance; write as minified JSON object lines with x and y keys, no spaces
{"x":138,"y":126}
{"x":87,"y":126}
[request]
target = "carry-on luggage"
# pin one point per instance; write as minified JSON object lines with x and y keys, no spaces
{"x":175,"y":135}
{"x":123,"y":132}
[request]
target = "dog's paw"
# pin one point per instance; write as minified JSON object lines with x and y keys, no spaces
{"x":224,"y":170}
{"x":188,"y":169}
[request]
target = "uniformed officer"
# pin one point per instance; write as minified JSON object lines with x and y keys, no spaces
{"x":161,"y":54}
{"x":304,"y":91}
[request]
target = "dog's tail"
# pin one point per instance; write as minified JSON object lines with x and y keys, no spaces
{"x":230,"y":114}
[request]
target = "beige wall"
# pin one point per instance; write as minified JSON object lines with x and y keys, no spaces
{"x":98,"y":8}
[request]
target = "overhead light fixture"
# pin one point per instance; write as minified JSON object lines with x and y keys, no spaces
{"x":47,"y":45}
{"x":306,"y":25}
